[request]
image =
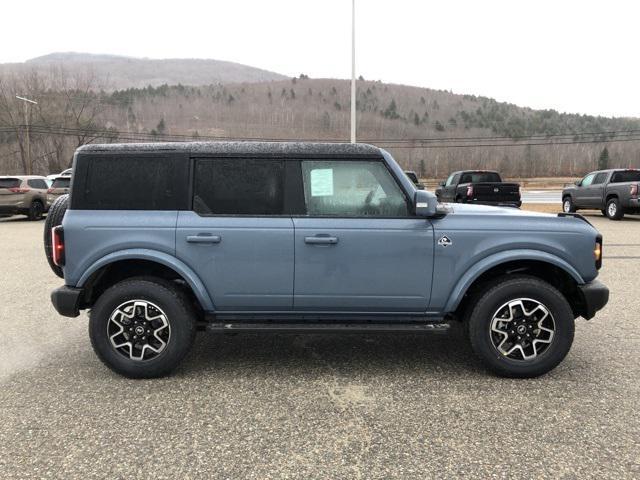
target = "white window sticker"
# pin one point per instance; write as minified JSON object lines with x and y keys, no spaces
{"x":322,"y":182}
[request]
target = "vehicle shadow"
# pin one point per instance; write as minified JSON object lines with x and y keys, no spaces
{"x":296,"y":354}
{"x":20,"y":219}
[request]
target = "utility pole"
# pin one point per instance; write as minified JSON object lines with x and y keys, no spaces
{"x":353,"y":71}
{"x":27,"y":104}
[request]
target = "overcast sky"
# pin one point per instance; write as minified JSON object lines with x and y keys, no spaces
{"x":575,"y":56}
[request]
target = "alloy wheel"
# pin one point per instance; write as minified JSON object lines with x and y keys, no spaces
{"x":522,"y":329}
{"x":139,"y":330}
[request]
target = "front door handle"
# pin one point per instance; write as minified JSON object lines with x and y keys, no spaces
{"x":321,"y":240}
{"x":204,"y":238}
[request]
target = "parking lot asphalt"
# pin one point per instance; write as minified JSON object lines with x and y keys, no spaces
{"x":320,"y":406}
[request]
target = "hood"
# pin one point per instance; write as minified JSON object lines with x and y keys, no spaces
{"x":468,"y":209}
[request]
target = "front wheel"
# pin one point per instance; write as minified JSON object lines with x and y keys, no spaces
{"x":521,"y":327}
{"x":142,"y":327}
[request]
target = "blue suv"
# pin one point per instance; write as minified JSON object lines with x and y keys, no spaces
{"x":160,"y":240}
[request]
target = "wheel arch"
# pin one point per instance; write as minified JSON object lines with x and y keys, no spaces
{"x":543,"y":265}
{"x":118,"y":266}
{"x":610,"y":196}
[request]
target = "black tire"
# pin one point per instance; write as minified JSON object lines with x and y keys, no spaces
{"x":613,"y":210}
{"x":36,"y":210}
{"x":54,"y":218}
{"x":498,"y":294}
{"x":568,"y":205}
{"x":170,"y":300}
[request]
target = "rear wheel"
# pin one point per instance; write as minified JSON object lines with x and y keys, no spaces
{"x":521,"y":327}
{"x":54,"y":218}
{"x":567,"y":205}
{"x":613,"y":209}
{"x":36,"y":210}
{"x":142,"y":327}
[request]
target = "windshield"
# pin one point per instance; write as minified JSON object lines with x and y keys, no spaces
{"x":61,"y":183}
{"x":9,"y":182}
{"x":480,"y":177}
{"x":626,"y":176}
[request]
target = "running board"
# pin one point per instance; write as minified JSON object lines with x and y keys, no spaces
{"x":328,"y":327}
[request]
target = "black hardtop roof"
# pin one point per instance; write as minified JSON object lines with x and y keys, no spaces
{"x":240,"y":148}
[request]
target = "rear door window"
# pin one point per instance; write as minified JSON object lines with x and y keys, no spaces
{"x":37,"y":184}
{"x":239,"y":186}
{"x":9,"y":182}
{"x":599,"y":178}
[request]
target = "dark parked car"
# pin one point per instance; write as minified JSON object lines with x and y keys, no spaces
{"x":613,"y":192}
{"x":479,"y":186}
{"x":413,"y":176}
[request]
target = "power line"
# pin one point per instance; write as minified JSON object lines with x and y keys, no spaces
{"x":424,"y":143}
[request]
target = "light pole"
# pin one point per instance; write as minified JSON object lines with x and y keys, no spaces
{"x":353,"y":71}
{"x":27,"y":104}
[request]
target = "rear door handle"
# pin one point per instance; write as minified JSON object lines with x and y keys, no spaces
{"x":204,"y":238}
{"x":321,"y":240}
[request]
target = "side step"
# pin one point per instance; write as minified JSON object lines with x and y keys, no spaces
{"x":328,"y":327}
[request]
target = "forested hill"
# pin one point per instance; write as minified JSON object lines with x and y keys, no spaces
{"x":430,"y":131}
{"x":123,"y":72}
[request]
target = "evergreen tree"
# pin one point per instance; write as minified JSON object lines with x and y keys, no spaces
{"x":603,"y":160}
{"x":161,"y":127}
{"x":391,"y":111}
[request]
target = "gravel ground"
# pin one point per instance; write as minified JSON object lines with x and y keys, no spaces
{"x":321,"y":406}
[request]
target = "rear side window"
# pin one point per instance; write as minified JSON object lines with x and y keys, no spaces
{"x":620,"y":177}
{"x":38,"y":184}
{"x":131,"y":182}
{"x":9,"y":182}
{"x":239,"y":186}
{"x":352,"y":189}
{"x":61,"y":183}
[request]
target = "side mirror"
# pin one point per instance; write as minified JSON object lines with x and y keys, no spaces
{"x":578,"y":183}
{"x":442,"y":183}
{"x":426,"y":204}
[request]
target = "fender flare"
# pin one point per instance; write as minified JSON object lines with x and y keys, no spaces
{"x":496,"y":259}
{"x":165,"y":259}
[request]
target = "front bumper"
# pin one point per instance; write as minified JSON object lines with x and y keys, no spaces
{"x":595,"y":296}
{"x":66,"y":300}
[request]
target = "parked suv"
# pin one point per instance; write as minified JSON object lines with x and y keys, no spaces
{"x":613,"y":192}
{"x":23,"y":195}
{"x":159,"y":240}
